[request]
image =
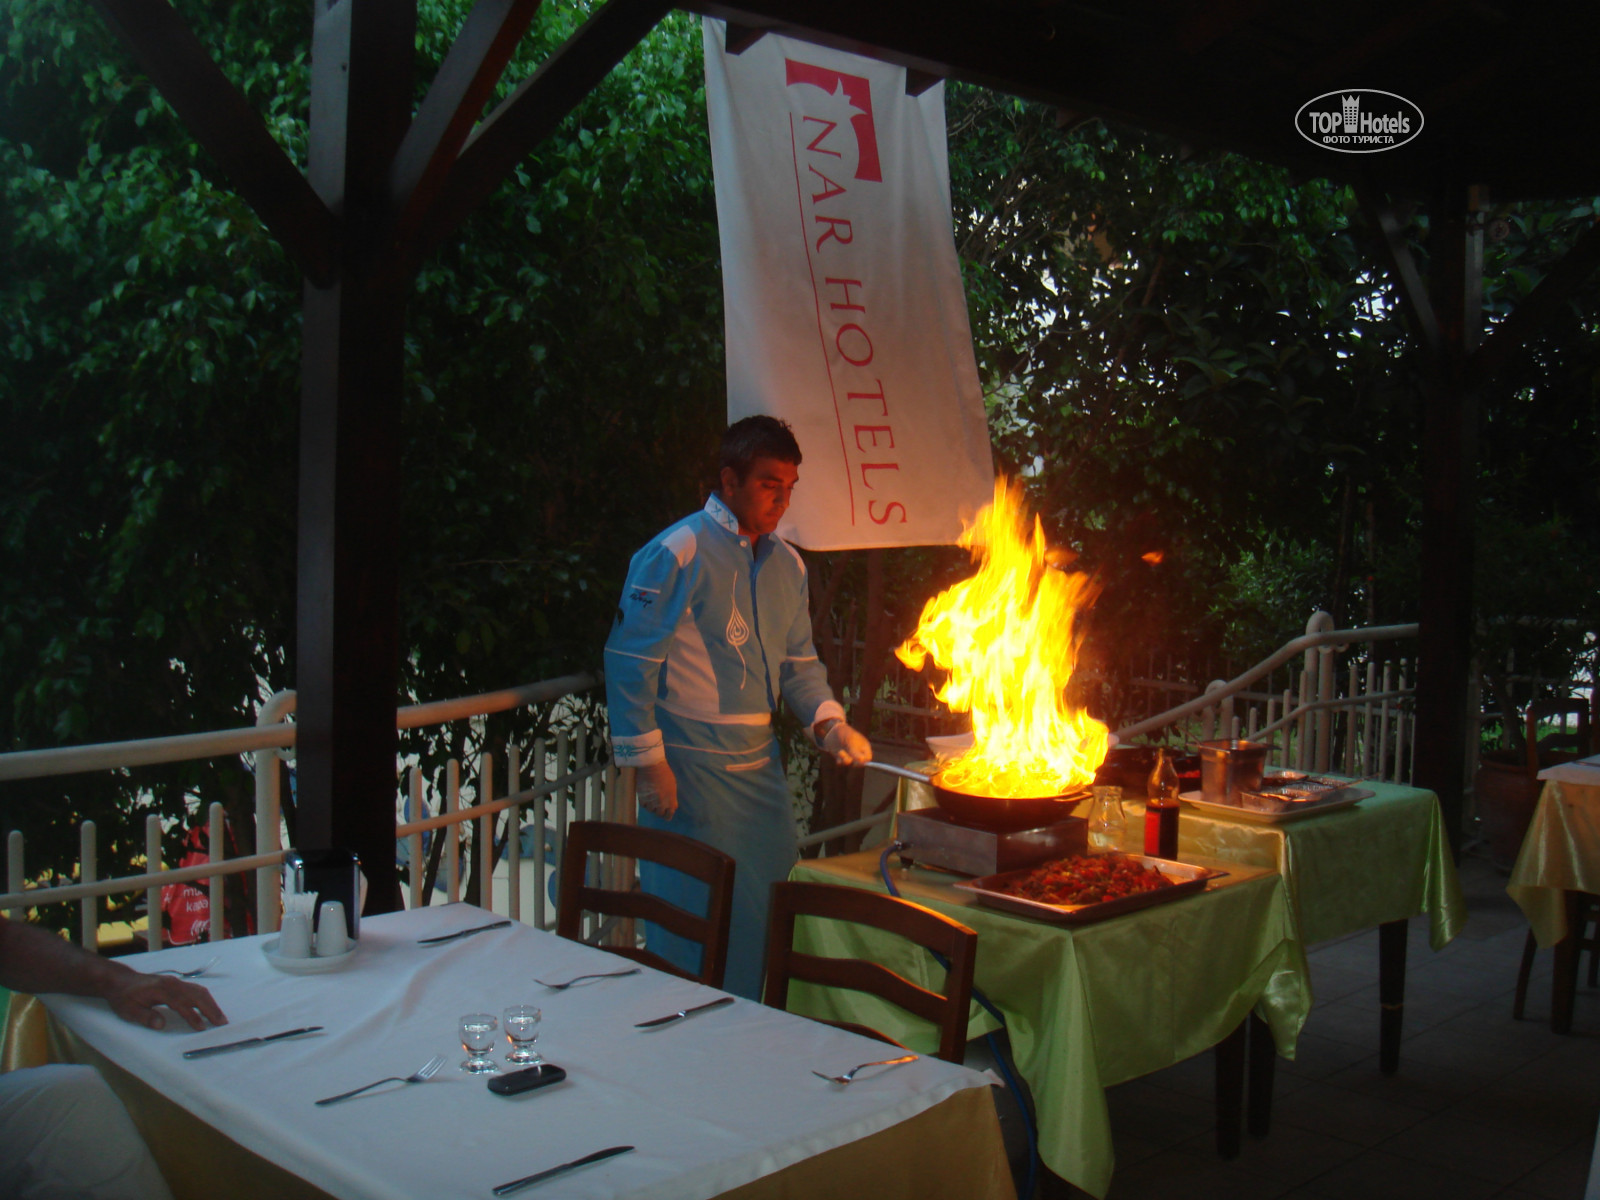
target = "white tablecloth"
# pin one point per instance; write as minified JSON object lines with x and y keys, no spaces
{"x":1583,"y":771}
{"x":710,"y":1103}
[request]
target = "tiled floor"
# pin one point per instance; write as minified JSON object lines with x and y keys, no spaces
{"x":1482,"y":1105}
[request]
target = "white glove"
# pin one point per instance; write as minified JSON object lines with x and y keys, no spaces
{"x":847,"y":746}
{"x":656,"y":789}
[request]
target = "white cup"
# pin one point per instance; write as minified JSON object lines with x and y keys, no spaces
{"x":294,"y":936}
{"x":332,"y":937}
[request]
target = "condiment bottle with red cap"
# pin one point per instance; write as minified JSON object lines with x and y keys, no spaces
{"x":1161,"y":809}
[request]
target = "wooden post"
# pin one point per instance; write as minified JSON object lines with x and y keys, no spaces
{"x":1449,"y":461}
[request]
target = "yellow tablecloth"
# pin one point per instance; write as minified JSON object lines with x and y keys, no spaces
{"x":1385,"y":859}
{"x":1560,"y":853}
{"x":1091,"y":1006}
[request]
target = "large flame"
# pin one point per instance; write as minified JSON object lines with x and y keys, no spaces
{"x":1007,"y":637}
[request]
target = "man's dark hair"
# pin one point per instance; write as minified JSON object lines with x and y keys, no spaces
{"x":758,"y":437}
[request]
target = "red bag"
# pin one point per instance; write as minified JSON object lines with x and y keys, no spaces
{"x":186,"y":907}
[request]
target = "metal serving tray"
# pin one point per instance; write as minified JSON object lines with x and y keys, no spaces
{"x":1188,"y":880}
{"x":1275,"y":811}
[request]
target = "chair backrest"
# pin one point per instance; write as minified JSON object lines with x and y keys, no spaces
{"x":931,"y":930}
{"x":1563,"y":745}
{"x":696,"y":859}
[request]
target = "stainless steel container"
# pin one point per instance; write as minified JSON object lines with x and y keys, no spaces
{"x":1230,"y":767}
{"x":333,"y":875}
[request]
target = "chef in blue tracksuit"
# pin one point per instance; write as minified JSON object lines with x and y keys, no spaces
{"x":713,"y":627}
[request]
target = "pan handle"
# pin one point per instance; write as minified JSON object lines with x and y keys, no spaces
{"x":903,"y":772}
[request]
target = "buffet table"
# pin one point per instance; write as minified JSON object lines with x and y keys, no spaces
{"x":1558,"y":865}
{"x":721,"y":1104}
{"x":1090,"y":1006}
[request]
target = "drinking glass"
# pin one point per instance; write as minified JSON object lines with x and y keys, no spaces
{"x":477,"y":1038}
{"x":1106,"y":823}
{"x":522,"y":1031}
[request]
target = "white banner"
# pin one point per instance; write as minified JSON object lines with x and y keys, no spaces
{"x":845,"y":314}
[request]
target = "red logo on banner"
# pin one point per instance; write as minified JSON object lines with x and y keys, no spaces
{"x":859,"y":93}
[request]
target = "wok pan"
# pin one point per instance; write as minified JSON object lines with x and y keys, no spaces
{"x":1000,"y":813}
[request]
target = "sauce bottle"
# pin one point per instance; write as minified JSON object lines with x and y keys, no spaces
{"x":1161,"y":809}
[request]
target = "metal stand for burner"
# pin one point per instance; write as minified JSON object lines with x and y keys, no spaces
{"x":933,"y":838}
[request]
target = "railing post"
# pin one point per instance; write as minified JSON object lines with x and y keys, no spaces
{"x":16,"y":879}
{"x":485,"y":837}
{"x":152,"y":896}
{"x":514,"y":833}
{"x":216,"y":850}
{"x":536,"y":781}
{"x":1327,"y":684}
{"x":88,"y":907}
{"x":418,"y":867}
{"x":562,"y":796}
{"x":452,"y":802}
{"x":269,"y":812}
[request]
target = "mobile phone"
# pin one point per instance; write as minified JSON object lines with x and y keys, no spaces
{"x":514,"y":1083}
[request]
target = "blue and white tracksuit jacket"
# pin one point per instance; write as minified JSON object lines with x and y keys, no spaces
{"x":708,"y":635}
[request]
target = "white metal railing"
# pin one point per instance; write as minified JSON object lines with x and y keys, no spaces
{"x":1367,"y":715}
{"x":564,"y":786}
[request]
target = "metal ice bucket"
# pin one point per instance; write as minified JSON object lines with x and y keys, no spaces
{"x":1230,"y":767}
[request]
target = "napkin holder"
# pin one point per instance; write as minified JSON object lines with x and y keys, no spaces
{"x":333,"y":875}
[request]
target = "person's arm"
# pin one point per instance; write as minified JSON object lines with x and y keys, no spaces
{"x":33,"y":960}
{"x":804,"y":681}
{"x":653,"y":600}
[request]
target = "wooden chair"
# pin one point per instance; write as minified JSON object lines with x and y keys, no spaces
{"x":1563,"y":745}
{"x":931,"y":930}
{"x":696,"y":859}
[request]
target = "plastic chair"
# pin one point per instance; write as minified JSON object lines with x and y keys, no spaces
{"x":931,"y":930}
{"x":696,"y":859}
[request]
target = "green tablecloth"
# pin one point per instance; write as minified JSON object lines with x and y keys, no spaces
{"x":1088,"y":1007}
{"x":1560,"y":853}
{"x":1385,"y":859}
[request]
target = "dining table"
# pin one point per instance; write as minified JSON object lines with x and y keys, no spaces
{"x":1086,"y":1006}
{"x":1375,"y":862}
{"x":1557,"y":871}
{"x":723,"y":1102}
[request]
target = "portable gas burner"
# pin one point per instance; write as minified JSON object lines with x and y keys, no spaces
{"x":937,"y":838}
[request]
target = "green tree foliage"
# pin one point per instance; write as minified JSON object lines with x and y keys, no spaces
{"x":564,"y":388}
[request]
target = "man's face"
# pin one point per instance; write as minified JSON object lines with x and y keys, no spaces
{"x":762,"y":499}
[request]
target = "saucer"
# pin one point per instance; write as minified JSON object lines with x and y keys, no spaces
{"x":314,"y":965}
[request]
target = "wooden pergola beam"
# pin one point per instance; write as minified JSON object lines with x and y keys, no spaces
{"x":229,"y":129}
{"x":1539,"y":305}
{"x":534,"y":110}
{"x":455,"y":100}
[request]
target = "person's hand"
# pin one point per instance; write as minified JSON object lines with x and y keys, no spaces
{"x":139,"y":998}
{"x":657,"y":790}
{"x":848,"y":747}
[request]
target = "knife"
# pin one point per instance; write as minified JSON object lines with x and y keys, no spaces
{"x":505,"y":1189}
{"x":460,"y":933}
{"x":207,"y":1051}
{"x":684,"y":1012}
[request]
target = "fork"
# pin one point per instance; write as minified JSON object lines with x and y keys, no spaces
{"x":200,"y":970}
{"x":850,"y":1075}
{"x":561,"y":987}
{"x":424,"y":1073}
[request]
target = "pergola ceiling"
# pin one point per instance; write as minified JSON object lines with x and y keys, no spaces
{"x":1507,"y":90}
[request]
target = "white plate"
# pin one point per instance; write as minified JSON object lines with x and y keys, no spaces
{"x":305,"y":966}
{"x":1313,"y":808}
